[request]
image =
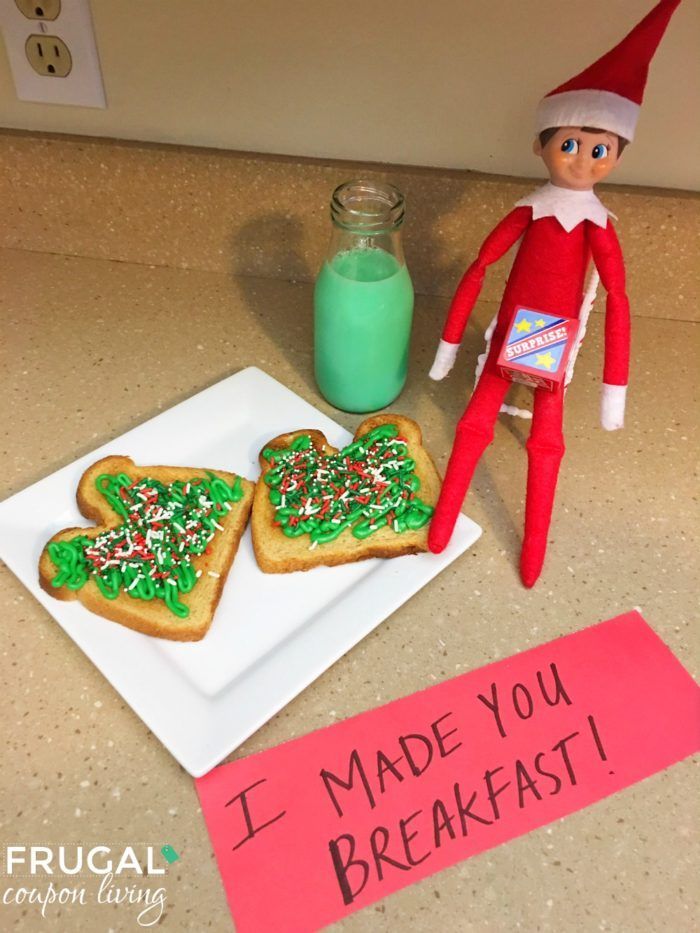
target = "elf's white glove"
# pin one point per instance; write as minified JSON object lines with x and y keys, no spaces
{"x":444,"y":360}
{"x":612,"y":407}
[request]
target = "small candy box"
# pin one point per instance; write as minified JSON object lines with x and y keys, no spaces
{"x":537,"y":348}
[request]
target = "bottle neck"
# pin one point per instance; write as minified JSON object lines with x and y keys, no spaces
{"x":367,"y":215}
{"x":367,"y":207}
{"x":345,"y":241}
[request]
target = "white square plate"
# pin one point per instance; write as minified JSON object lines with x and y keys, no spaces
{"x":203,"y":699}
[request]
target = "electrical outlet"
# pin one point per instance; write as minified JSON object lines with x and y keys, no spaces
{"x":39,"y":9}
{"x":48,"y":55}
{"x":53,"y":57}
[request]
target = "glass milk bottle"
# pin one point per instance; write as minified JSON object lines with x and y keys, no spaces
{"x":363,"y":301}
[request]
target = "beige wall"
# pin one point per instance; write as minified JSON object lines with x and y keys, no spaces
{"x":425,"y":82}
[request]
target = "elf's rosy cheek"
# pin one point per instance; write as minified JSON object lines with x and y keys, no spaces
{"x":563,"y":160}
{"x":601,"y":167}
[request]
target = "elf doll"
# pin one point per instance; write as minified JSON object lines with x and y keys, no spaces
{"x":582,"y":127}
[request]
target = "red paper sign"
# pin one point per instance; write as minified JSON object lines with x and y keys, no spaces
{"x":326,"y":824}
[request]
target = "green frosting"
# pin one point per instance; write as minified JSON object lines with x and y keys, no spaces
{"x":149,"y":555}
{"x":367,"y":485}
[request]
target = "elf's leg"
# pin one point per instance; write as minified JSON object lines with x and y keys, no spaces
{"x":545,"y":448}
{"x":473,"y":435}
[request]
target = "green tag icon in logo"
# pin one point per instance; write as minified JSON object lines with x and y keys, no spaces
{"x":169,"y":854}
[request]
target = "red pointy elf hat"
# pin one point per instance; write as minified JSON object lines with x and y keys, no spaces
{"x":608,"y":93}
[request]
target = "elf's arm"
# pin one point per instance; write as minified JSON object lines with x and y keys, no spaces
{"x":496,"y":244}
{"x":607,"y":256}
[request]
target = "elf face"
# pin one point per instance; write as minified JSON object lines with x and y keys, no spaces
{"x":578,"y":158}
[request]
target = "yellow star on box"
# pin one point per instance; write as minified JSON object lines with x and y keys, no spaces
{"x":546,"y":359}
{"x":524,"y":327}
{"x":539,"y":323}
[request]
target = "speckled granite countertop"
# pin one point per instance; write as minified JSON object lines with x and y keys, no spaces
{"x":127,"y":239}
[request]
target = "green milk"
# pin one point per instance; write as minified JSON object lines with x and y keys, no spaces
{"x":363,"y":301}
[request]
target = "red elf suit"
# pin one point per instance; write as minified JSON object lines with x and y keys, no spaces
{"x":560,"y":231}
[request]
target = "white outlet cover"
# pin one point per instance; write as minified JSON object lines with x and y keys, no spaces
{"x":83,"y":85}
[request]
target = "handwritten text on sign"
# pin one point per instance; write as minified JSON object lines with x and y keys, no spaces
{"x":326,"y":824}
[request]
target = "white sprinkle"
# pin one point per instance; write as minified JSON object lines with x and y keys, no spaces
{"x":198,"y":574}
{"x":217,"y":525}
{"x":213,"y":574}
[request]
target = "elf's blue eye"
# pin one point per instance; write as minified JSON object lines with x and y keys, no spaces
{"x":570,"y":146}
{"x":600,"y":151}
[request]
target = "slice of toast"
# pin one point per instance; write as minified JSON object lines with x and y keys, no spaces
{"x":276,"y":552}
{"x":129,"y":510}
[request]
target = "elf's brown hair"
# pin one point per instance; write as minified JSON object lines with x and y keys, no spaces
{"x":547,"y":134}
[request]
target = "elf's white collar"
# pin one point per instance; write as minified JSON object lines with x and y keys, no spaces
{"x":568,"y":206}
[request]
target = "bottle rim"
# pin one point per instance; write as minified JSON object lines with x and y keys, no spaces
{"x":366,"y":206}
